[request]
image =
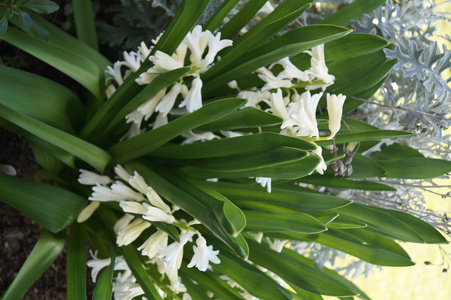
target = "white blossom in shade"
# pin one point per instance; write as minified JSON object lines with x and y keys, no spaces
{"x":335,"y":111}
{"x":167,"y":102}
{"x":259,"y":237}
{"x":132,"y":60}
{"x":146,"y":78}
{"x":193,"y":100}
{"x":97,"y":265}
{"x":122,"y":173}
{"x":215,"y":44}
{"x":164,"y":63}
{"x":203,"y":255}
{"x":121,"y":265}
{"x":173,"y":254}
{"x":134,"y":117}
{"x":104,"y":193}
{"x":115,"y":72}
{"x":110,"y":90}
{"x":264,"y":182}
{"x":192,"y":137}
{"x":91,"y":178}
{"x":132,"y":207}
{"x":156,"y":200}
{"x":321,"y":167}
{"x":171,"y":272}
{"x":197,"y":42}
{"x":143,"y":50}
{"x":123,"y":222}
{"x":272,"y":82}
{"x":233,"y":85}
{"x":277,"y":245}
{"x":138,"y":183}
{"x":126,"y":290}
{"x":155,"y":214}
{"x":127,"y":193}
{"x":134,"y":130}
{"x":187,"y":296}
{"x":131,"y":232}
{"x":153,"y":244}
{"x":266,"y":9}
{"x":160,"y":120}
{"x":290,"y":71}
{"x":231,"y":134}
{"x":319,"y":68}
{"x":278,"y":106}
{"x":87,"y":212}
{"x":148,"y":107}
{"x":304,"y":112}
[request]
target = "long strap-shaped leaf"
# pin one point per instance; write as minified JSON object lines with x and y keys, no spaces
{"x":145,"y":143}
{"x":76,"y":263}
{"x":52,"y":207}
{"x":84,"y":22}
{"x":74,"y":65}
{"x":219,"y":15}
{"x":44,"y":253}
{"x":353,"y":11}
{"x":87,"y":152}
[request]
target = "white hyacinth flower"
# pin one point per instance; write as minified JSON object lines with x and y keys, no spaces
{"x":173,"y":253}
{"x":131,"y":232}
{"x":126,"y":290}
{"x":123,"y":222}
{"x":167,"y":103}
{"x":156,"y":200}
{"x":138,"y":183}
{"x":132,"y":207}
{"x":321,"y":167}
{"x":193,"y":100}
{"x":254,"y":98}
{"x":197,"y":42}
{"x":155,"y":214}
{"x":104,"y":193}
{"x":121,"y":265}
{"x":203,"y":255}
{"x":272,"y":82}
{"x":278,"y":106}
{"x":115,"y":72}
{"x":319,"y":68}
{"x":304,"y":112}
{"x":87,"y":212}
{"x":132,"y":60}
{"x":121,"y":172}
{"x":164,"y":63}
{"x":148,"y":107}
{"x":215,"y":44}
{"x":91,"y":178}
{"x":335,"y":111}
{"x":277,"y":245}
{"x":160,"y":120}
{"x":264,"y":182}
{"x":127,"y":193}
{"x":192,"y":137}
{"x":154,"y":243}
{"x":290,"y":71}
{"x":266,"y":9}
{"x":97,"y":265}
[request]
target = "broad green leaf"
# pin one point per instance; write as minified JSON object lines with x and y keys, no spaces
{"x":248,"y":162}
{"x":41,"y":6}
{"x":415,"y":167}
{"x":74,"y":65}
{"x":44,"y":253}
{"x":342,"y":183}
{"x":244,"y":15}
{"x":3,"y":24}
{"x":190,"y":205}
{"x":104,"y":285}
{"x":25,"y":21}
{"x":287,"y":171}
{"x":352,"y":11}
{"x":87,"y":152}
{"x":40,"y":98}
{"x":296,"y":272}
{"x":254,"y":143}
{"x":352,"y":45}
{"x":139,"y":145}
{"x":396,"y":151}
{"x":219,"y":15}
{"x":291,"y":43}
{"x":250,"y":278}
{"x":76,"y":263}
{"x":250,"y":196}
{"x":259,"y":221}
{"x":283,"y":14}
{"x":140,"y":273}
{"x":341,"y":240}
{"x":364,"y":167}
{"x":52,"y":207}
{"x":84,"y":22}
{"x":195,"y":289}
{"x":248,"y":117}
{"x":366,"y":136}
{"x":45,"y":159}
{"x":344,"y":223}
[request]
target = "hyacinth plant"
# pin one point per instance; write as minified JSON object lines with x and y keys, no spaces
{"x":190,"y":170}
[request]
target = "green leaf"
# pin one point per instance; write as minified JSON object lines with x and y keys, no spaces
{"x":296,"y":272}
{"x":40,"y":98}
{"x":341,"y":183}
{"x":287,"y":171}
{"x":248,"y":117}
{"x":352,"y":11}
{"x":52,"y":207}
{"x":364,"y":167}
{"x":41,"y":6}
{"x":44,"y":253}
{"x":104,"y":286}
{"x":415,"y":167}
{"x":139,"y":145}
{"x":76,"y":263}
{"x":25,"y":20}
{"x":219,"y":15}
{"x":74,"y":65}
{"x":84,"y":22}
{"x":352,"y":45}
{"x":396,"y":151}
{"x":250,"y":196}
{"x":3,"y":24}
{"x":291,"y":43}
{"x":259,"y":221}
{"x":45,"y":159}
{"x":91,"y":154}
{"x":366,"y":136}
{"x":255,"y":143}
{"x":140,"y":273}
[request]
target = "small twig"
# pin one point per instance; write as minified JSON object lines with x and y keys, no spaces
{"x":401,"y":108}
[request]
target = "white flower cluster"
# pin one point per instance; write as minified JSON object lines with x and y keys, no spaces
{"x":143,"y":206}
